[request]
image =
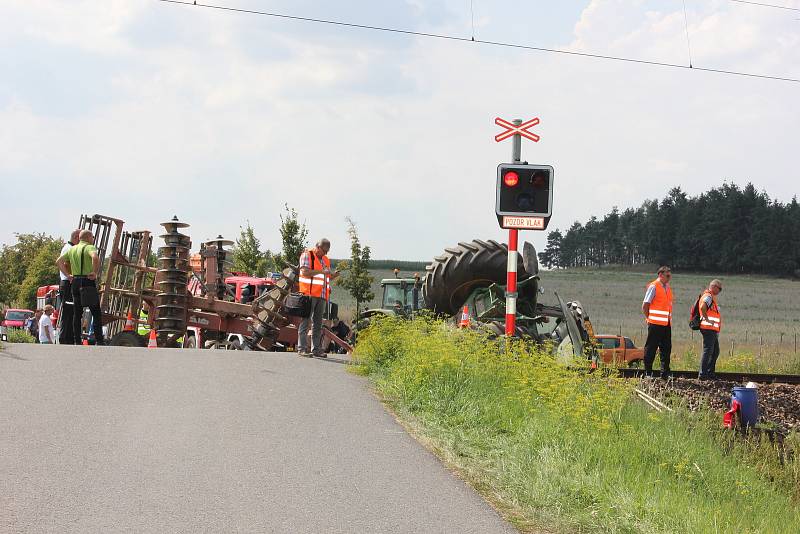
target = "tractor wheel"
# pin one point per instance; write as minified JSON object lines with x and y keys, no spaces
{"x":128,"y":339}
{"x":452,"y":276}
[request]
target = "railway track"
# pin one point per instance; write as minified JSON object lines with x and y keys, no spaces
{"x":759,"y":378}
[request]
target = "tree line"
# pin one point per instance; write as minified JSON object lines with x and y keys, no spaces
{"x":726,"y":229}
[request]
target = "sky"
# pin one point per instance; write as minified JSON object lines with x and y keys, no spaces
{"x":141,"y":110}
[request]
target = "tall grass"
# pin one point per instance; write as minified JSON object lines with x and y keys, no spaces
{"x":567,"y":451}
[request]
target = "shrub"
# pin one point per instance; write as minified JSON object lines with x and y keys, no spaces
{"x":19,"y":335}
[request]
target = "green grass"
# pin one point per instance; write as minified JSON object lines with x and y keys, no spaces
{"x":760,"y":313}
{"x":567,"y":452}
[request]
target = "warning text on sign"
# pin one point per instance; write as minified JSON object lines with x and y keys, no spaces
{"x":524,"y":223}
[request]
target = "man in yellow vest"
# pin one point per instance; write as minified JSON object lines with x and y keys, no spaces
{"x":710,"y":326}
{"x":657,"y":310}
{"x":81,"y":264}
{"x":315,"y":281}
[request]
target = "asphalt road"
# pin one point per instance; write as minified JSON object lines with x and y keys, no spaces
{"x":108,"y":439}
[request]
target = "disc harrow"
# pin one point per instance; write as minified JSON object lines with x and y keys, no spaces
{"x":171,"y":280}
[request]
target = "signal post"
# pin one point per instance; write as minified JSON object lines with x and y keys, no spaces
{"x":524,"y":200}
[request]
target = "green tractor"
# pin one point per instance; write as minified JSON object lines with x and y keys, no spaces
{"x":401,"y":297}
{"x":473,"y":274}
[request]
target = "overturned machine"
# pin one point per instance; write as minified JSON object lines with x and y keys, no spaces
{"x":186,"y":305}
{"x":473,"y":274}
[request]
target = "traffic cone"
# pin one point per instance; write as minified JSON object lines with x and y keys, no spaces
{"x":129,"y":323}
{"x":464,"y":323}
{"x":152,"y":343}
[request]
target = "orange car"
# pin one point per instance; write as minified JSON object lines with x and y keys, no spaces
{"x":619,"y":350}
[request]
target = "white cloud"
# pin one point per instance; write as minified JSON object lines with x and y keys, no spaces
{"x":221,"y":119}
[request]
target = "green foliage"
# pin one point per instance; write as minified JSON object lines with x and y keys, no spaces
{"x":408,"y":267}
{"x":42,"y":271}
{"x":356,"y":278}
{"x":247,"y":255}
{"x":15,"y":261}
{"x":294,"y":238}
{"x":560,"y":450}
{"x":19,"y":335}
{"x":727,"y":229}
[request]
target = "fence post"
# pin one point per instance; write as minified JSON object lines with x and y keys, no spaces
{"x":745,"y":336}
{"x":760,"y":346}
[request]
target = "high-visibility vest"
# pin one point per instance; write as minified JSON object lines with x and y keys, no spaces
{"x":318,"y":285}
{"x":714,"y":316}
{"x":661,"y":306}
{"x":143,"y":328}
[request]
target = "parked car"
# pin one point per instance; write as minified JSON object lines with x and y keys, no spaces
{"x":15,"y":317}
{"x":619,"y":350}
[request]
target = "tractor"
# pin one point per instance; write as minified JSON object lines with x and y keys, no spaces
{"x":473,"y":274}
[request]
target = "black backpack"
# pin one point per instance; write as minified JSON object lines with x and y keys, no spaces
{"x":694,"y":314}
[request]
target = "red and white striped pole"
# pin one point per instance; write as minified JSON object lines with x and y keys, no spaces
{"x":513,"y":235}
{"x":511,"y":283}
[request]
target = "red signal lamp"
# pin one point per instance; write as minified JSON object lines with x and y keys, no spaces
{"x":511,"y":178}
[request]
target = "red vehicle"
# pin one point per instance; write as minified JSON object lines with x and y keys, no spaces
{"x":619,"y":350}
{"x":48,"y":295}
{"x":249,"y":287}
{"x":16,"y":317}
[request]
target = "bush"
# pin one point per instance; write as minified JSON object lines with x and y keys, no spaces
{"x":569,"y":450}
{"x":19,"y":335}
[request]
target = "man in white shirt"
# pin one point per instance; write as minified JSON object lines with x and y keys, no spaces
{"x":47,"y":334}
{"x":65,"y":335}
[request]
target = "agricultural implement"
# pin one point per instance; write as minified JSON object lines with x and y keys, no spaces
{"x":186,"y":306}
{"x":473,"y":274}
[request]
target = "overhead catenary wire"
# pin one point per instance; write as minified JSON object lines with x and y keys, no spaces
{"x":761,"y":4}
{"x":481,"y":41}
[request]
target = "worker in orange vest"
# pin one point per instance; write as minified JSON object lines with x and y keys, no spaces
{"x":710,"y":326}
{"x":315,"y":281}
{"x":657,"y":310}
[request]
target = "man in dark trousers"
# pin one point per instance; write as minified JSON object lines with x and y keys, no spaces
{"x":657,"y":310}
{"x":81,"y":264}
{"x":710,"y":327}
{"x":66,"y":335}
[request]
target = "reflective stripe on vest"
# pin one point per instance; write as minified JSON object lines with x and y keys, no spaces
{"x":661,"y":307}
{"x":318,"y":285}
{"x":714,"y":322}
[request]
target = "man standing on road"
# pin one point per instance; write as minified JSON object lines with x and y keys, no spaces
{"x":81,"y":264}
{"x":315,"y":281}
{"x":46,"y":334}
{"x":710,"y":326}
{"x":65,"y":335}
{"x":32,"y":324}
{"x":657,"y":310}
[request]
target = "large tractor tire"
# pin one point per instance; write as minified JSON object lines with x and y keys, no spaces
{"x":128,"y":339}
{"x":451,"y":277}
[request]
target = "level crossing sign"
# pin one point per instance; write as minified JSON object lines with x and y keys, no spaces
{"x":514,"y":129}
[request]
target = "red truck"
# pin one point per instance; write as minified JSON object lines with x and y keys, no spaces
{"x":619,"y":350}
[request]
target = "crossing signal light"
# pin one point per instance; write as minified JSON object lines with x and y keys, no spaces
{"x":524,"y":195}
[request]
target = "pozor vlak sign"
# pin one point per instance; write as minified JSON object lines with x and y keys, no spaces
{"x":524,"y":196}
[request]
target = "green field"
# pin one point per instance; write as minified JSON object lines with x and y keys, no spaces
{"x":761,"y":314}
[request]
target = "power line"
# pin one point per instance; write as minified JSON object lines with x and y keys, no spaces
{"x":760,"y":4}
{"x":481,"y":41}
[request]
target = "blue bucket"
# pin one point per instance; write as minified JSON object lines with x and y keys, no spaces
{"x":748,"y":399}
